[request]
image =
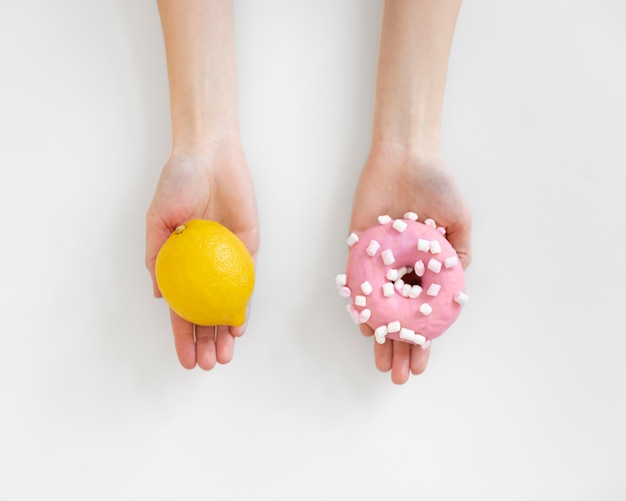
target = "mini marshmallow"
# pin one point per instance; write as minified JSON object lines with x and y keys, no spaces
{"x":426,"y":309}
{"x":393,"y":326}
{"x":345,"y":292}
{"x":407,"y":334}
{"x":430,"y":222}
{"x":426,"y":344}
{"x":352,"y":239}
{"x":461,"y":298}
{"x":419,"y":268}
{"x":441,"y":230}
{"x":356,"y":317}
{"x":451,"y":261}
{"x":341,"y":280}
{"x":388,"y":289}
{"x":384,"y":219}
{"x":353,"y":313}
{"x":406,"y":290}
{"x":434,"y":265}
{"x":401,"y":272}
{"x":433,"y":290}
{"x":410,"y":215}
{"x":387,"y":256}
{"x":360,"y":300}
{"x":366,"y":287}
{"x":365,"y":316}
{"x":380,"y":334}
{"x":398,"y":284}
{"x":435,"y":247}
{"x":423,"y":245}
{"x":416,"y":290}
{"x":392,"y":274}
{"x":399,"y":225}
{"x":380,"y":331}
{"x":372,"y":248}
{"x":419,"y":339}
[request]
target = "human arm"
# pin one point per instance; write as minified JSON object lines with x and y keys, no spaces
{"x":206,"y":175}
{"x":404,"y":170}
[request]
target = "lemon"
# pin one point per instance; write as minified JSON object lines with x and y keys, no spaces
{"x":206,"y":274}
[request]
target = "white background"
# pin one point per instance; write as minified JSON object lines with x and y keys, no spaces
{"x":524,"y":397}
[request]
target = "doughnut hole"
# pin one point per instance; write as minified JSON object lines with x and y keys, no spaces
{"x":412,"y":279}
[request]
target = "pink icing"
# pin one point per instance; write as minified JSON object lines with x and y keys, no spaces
{"x":362,"y":267}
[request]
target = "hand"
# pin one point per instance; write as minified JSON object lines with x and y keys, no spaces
{"x":206,"y":182}
{"x":393,"y":182}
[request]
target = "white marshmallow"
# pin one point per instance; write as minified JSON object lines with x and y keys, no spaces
{"x":398,"y":284}
{"x":406,"y":290}
{"x":425,"y":344}
{"x":356,"y":317}
{"x":352,"y":239}
{"x":392,"y":274}
{"x":387,"y":256}
{"x":365,"y":316}
{"x":426,"y":309}
{"x":410,"y":215}
{"x":393,"y":326}
{"x":360,"y":300}
{"x":388,"y":289}
{"x":451,"y":261}
{"x":434,"y":265}
{"x":433,"y":290}
{"x":341,"y":280}
{"x":366,"y":287}
{"x":461,"y":298}
{"x":384,"y":219}
{"x":416,"y":290}
{"x":372,"y":248}
{"x":423,"y":245}
{"x":419,"y":268}
{"x":354,"y":314}
{"x":380,"y":334}
{"x":441,"y":230}
{"x":407,"y":334}
{"x":345,"y":292}
{"x":435,"y":247}
{"x":419,"y":339}
{"x":399,"y":225}
{"x":430,"y":222}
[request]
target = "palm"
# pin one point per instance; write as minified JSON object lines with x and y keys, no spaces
{"x":212,"y":184}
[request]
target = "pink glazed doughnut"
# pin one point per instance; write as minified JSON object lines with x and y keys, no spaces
{"x":404,"y":280}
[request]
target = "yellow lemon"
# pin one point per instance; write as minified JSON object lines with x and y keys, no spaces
{"x":206,"y":274}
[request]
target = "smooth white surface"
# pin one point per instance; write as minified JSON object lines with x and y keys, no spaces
{"x":524,"y":397}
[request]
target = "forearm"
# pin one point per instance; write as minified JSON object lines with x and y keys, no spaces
{"x":200,"y":49}
{"x":415,"y":42}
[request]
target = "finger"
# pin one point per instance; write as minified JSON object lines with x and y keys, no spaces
{"x":184,"y":341}
{"x":224,"y":344}
{"x":156,"y":235}
{"x":205,"y":347}
{"x":383,"y":354}
{"x":419,"y":359}
{"x":366,"y":330}
{"x":400,"y":364}
{"x":240,"y":331}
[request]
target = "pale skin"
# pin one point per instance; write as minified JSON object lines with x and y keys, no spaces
{"x":404,"y":170}
{"x":207,"y":176}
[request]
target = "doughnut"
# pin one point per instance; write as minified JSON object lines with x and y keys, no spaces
{"x":404,"y":279}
